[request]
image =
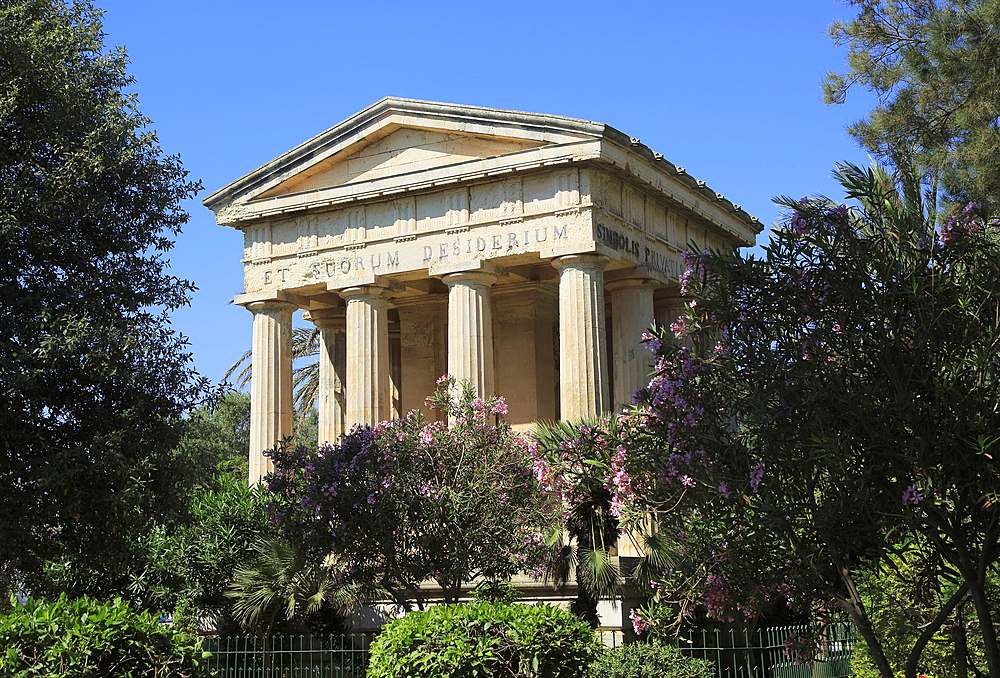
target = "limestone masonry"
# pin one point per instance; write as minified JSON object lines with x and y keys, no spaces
{"x":526,"y":253}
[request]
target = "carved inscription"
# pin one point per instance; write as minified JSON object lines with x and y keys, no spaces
{"x":645,"y":254}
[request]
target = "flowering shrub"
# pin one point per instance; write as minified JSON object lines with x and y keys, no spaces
{"x":413,"y":500}
{"x":838,"y":404}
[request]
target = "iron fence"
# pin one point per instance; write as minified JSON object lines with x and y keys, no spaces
{"x":771,"y":652}
{"x":302,"y":656}
{"x":736,"y":653}
{"x":767,"y":652}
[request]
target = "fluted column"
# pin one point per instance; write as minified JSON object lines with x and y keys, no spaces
{"x":583,"y":357}
{"x":270,"y":382}
{"x":368,"y":348}
{"x":331,"y":402}
{"x":470,"y":329}
{"x":631,"y":316}
{"x":667,"y":312}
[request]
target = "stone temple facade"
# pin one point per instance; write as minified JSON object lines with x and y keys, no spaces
{"x":525,"y":253}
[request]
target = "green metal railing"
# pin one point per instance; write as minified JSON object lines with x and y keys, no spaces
{"x":319,"y":656}
{"x":738,"y":653}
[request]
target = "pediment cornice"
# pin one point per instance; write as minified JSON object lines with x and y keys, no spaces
{"x":311,"y":176}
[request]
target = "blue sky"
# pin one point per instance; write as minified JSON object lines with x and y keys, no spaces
{"x":729,"y":90}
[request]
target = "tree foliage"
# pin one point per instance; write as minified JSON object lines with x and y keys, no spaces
{"x":837,"y":414}
{"x":281,"y":583}
{"x":573,"y":462}
{"x":93,"y":380}
{"x":932,"y":64}
{"x":410,"y":501}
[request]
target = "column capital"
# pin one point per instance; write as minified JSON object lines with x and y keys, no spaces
{"x":362,"y":291}
{"x":598,"y":261}
{"x":248,"y":298}
{"x":328,"y":318}
{"x":443,"y":270}
{"x":636,"y":283}
{"x":271,"y":306}
{"x":486,"y":278}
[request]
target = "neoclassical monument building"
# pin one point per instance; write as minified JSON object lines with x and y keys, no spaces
{"x":525,"y":253}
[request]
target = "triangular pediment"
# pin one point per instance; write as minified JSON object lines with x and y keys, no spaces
{"x":401,"y":151}
{"x":399,"y":137}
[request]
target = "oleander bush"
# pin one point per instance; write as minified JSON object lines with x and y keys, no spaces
{"x":485,"y":639}
{"x":650,"y":660}
{"x":84,"y":638}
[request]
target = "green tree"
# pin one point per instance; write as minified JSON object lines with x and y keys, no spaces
{"x":84,"y":637}
{"x":837,"y":415}
{"x":217,"y":437}
{"x":94,"y":382}
{"x":410,"y":501}
{"x":185,"y":562}
{"x":932,"y":64}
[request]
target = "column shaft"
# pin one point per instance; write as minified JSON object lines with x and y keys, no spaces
{"x":583,"y":358}
{"x":470,"y":329}
{"x":667,"y":312}
{"x":331,"y":402}
{"x":631,"y":315}
{"x":368,"y":347}
{"x":270,"y":382}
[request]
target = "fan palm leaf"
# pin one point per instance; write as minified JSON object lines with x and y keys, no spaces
{"x":305,"y":378}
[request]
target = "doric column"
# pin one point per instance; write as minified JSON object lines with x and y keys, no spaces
{"x":583,"y":357}
{"x":270,"y":382}
{"x":631,"y":315}
{"x":667,"y":312}
{"x":470,"y":329}
{"x":331,"y":402}
{"x":368,"y":348}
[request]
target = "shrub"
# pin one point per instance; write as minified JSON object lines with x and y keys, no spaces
{"x":85,"y":638}
{"x":484,"y":639}
{"x":650,"y":660}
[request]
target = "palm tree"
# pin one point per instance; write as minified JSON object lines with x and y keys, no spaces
{"x":592,"y":529}
{"x":305,"y":378}
{"x":280,"y":582}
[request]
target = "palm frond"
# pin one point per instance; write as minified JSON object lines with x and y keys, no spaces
{"x":600,"y":574}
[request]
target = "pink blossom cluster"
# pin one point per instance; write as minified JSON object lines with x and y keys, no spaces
{"x":695,"y":266}
{"x":620,"y":484}
{"x":640,"y":623}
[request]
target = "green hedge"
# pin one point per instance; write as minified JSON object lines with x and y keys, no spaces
{"x":84,"y":638}
{"x":481,"y":639}
{"x":650,"y":660}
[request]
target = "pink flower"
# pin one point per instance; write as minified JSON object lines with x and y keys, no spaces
{"x":756,"y":476}
{"x":500,"y":407}
{"x":639,"y":623}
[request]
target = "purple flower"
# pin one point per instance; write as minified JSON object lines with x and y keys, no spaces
{"x":911,"y":496}
{"x":798,"y":223}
